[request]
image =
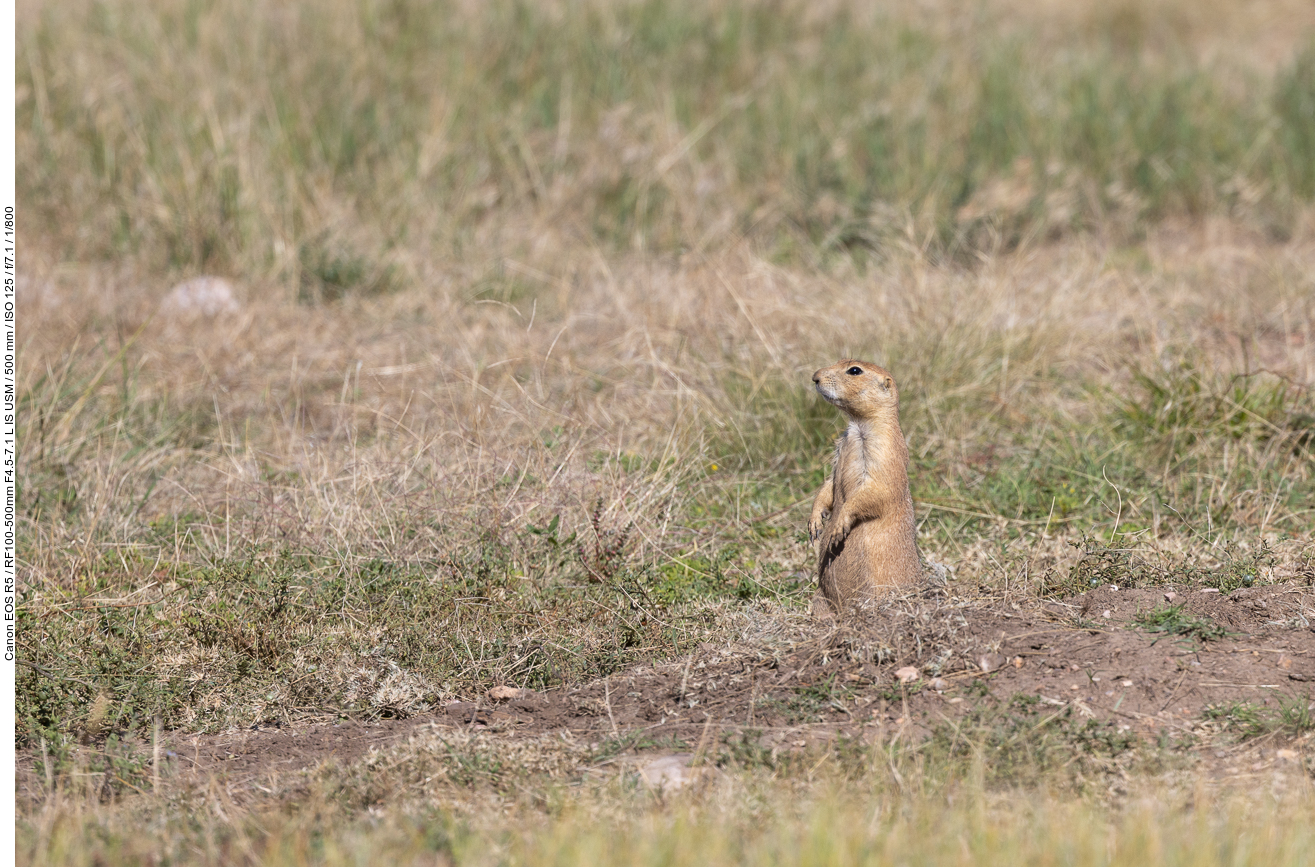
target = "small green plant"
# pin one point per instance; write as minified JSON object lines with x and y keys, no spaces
{"x":332,"y":270}
{"x":1235,"y":569}
{"x":1292,"y":718}
{"x":605,"y":557}
{"x":1099,"y":566}
{"x":1173,"y":620}
{"x":1022,"y":739}
{"x":808,"y":703}
{"x":1295,"y":716}
{"x":744,"y":750}
{"x":1244,"y":718}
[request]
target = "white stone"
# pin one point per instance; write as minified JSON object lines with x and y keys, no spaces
{"x":669,"y":773}
{"x":200,"y":297}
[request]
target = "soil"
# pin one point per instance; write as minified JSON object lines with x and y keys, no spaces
{"x":838,"y":678}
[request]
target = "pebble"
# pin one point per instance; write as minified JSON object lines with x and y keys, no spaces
{"x":1170,"y":597}
{"x":466,"y":711}
{"x":669,"y":773}
{"x":201,"y":297}
{"x":907,"y":674}
{"x":991,"y":662}
{"x":505,"y":693}
{"x":938,"y":684}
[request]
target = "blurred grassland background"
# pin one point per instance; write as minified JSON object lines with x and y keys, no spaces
{"x":341,"y":139}
{"x":528,"y":296}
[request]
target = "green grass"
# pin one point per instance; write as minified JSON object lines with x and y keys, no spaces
{"x":287,"y":634}
{"x":1172,"y":620}
{"x":1150,"y":462}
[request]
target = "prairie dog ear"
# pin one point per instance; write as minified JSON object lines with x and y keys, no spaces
{"x":886,"y":382}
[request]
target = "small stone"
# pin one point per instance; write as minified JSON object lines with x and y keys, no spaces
{"x":465,"y":711}
{"x":907,"y":674}
{"x":1114,"y":587}
{"x":1170,"y":597}
{"x":1126,"y":683}
{"x":990,"y":662}
{"x":1018,"y":662}
{"x":1074,"y":686}
{"x":200,"y":297}
{"x":1107,"y":614}
{"x":669,"y":773}
{"x":505,"y":693}
{"x":1209,"y":589}
{"x":938,"y":684}
{"x":1285,"y":662}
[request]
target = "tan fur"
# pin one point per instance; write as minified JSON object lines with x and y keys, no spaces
{"x":864,"y":513}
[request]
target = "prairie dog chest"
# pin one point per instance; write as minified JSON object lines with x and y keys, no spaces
{"x":857,"y":455}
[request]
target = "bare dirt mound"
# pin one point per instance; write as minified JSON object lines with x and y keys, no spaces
{"x":1145,"y":664}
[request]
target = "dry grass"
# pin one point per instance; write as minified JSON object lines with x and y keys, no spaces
{"x":362,"y":489}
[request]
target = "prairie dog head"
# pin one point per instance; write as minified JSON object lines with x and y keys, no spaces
{"x":859,"y":389}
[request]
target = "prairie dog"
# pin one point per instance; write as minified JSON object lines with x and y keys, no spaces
{"x":863,"y":515}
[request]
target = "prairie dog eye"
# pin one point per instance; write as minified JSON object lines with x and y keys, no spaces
{"x":854,"y":371}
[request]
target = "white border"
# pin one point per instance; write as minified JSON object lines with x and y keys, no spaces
{"x":8,"y":414}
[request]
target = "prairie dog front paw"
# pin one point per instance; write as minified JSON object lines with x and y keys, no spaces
{"x":816,"y":522}
{"x":834,"y":535}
